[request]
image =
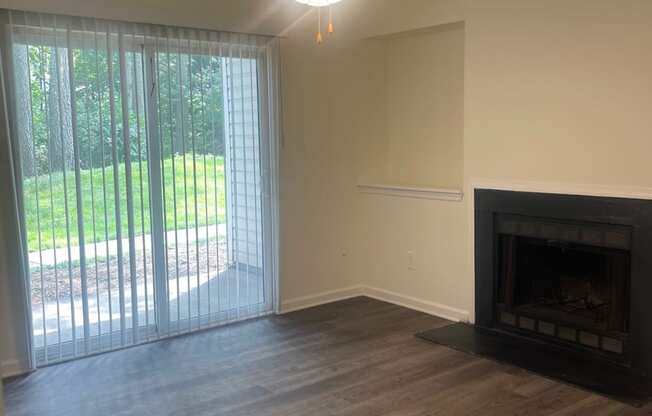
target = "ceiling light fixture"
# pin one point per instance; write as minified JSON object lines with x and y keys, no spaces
{"x":319,"y":4}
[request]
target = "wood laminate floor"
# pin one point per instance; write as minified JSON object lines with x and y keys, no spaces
{"x":355,"y":357}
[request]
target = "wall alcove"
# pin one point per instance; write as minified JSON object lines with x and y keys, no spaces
{"x":423,"y":91}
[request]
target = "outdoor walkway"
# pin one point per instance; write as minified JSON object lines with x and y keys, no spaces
{"x":192,"y":299}
{"x":204,"y":288}
{"x":47,"y":257}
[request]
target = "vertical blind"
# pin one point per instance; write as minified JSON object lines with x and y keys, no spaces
{"x":145,"y":170}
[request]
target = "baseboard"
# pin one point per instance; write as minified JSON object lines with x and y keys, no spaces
{"x":13,"y":368}
{"x":321,"y":298}
{"x":431,"y":308}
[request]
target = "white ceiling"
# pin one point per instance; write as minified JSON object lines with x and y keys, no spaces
{"x":250,"y":16}
{"x":272,"y":17}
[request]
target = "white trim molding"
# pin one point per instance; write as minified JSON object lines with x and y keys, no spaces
{"x":431,"y":308}
{"x":614,"y":191}
{"x":440,"y":194}
{"x":322,"y":298}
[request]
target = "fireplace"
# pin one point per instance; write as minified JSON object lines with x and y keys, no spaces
{"x":564,"y":282}
{"x":563,"y":288}
{"x":573,"y":272}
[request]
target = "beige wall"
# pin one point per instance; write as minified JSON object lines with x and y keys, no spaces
{"x":334,"y":107}
{"x":423,"y":146}
{"x":326,"y":108}
{"x":559,"y":91}
{"x":425,"y":107}
{"x":555,"y":91}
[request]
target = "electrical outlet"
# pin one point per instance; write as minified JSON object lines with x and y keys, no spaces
{"x":412,"y":259}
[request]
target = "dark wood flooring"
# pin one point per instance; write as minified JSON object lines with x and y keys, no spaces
{"x":355,"y":357}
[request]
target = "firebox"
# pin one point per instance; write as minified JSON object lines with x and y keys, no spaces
{"x":564,"y":282}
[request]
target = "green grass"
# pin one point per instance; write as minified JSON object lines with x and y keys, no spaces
{"x":52,"y":210}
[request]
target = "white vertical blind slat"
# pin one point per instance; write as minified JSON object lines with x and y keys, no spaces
{"x":159,"y":265}
{"x":140,"y":149}
{"x":157,"y":195}
{"x":256,"y":171}
{"x":37,"y":198}
{"x":78,"y":198}
{"x":183,"y":138}
{"x":234,"y":194}
{"x":193,"y":139}
{"x":116,"y":190}
{"x":245,"y":174}
{"x":213,"y":67}
{"x":126,"y":144}
{"x":50,"y":145}
{"x":64,"y":162}
{"x":173,"y":133}
{"x":205,"y":168}
{"x":91,"y":140}
{"x":100,"y":88}
{"x":40,"y":243}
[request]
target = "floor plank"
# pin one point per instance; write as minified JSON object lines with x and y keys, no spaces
{"x":355,"y":357}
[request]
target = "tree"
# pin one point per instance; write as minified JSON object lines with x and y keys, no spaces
{"x":60,"y":118}
{"x":24,"y":110}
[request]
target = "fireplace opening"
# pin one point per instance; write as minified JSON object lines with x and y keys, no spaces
{"x":569,"y":292}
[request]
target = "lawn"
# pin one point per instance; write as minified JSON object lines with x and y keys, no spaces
{"x":45,"y":201}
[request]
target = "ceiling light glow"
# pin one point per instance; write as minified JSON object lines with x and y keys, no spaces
{"x":318,"y":3}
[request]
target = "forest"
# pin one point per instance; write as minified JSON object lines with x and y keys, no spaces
{"x":57,"y":87}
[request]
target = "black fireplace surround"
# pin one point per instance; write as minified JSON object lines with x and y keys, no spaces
{"x":570,"y":271}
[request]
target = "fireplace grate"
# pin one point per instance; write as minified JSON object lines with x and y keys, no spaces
{"x":585,"y":307}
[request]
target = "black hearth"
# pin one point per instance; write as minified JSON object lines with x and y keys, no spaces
{"x":563,"y":287}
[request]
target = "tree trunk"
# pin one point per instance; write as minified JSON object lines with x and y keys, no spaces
{"x":24,"y":112}
{"x":60,"y":119}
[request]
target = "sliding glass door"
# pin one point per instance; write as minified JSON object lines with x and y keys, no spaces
{"x":208,"y":132}
{"x":144,"y":171}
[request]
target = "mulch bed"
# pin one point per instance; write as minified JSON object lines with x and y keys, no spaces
{"x":57,"y":279}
